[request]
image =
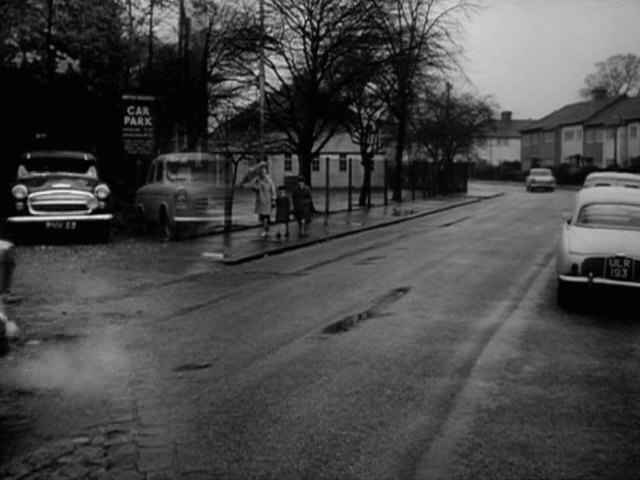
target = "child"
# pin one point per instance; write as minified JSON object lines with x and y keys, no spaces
{"x":283,"y":212}
{"x":302,"y":205}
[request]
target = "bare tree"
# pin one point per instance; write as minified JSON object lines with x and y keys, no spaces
{"x":307,"y":75}
{"x":446,"y":126}
{"x":422,"y":36}
{"x":619,"y":74}
{"x":219,"y":76}
{"x":367,"y":112}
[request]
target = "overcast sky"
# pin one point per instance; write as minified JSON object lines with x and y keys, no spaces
{"x":532,"y":56}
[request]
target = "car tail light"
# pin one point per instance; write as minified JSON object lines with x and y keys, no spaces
{"x":181,"y":199}
{"x":19,"y":192}
{"x":102,"y":191}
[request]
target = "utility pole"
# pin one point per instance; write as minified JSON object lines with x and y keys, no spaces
{"x":261,"y":80}
{"x":50,"y":67}
{"x":150,"y":46}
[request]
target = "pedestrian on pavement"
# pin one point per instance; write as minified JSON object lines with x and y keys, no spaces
{"x":302,"y":204}
{"x":265,"y":198}
{"x":283,"y":212}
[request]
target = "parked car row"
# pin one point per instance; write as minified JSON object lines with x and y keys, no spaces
{"x":56,"y":191}
{"x":600,"y":239}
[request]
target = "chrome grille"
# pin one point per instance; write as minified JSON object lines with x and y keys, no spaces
{"x":59,"y":202}
{"x":201,"y":204}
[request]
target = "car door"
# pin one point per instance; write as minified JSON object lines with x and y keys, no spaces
{"x":146,"y":197}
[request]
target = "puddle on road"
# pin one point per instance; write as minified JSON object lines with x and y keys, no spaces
{"x":189,"y":367}
{"x":376,"y":310}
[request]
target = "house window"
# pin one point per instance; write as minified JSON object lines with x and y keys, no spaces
{"x":288,"y":163}
{"x":599,"y":135}
{"x":548,"y":137}
{"x":568,"y":135}
{"x":343,"y":162}
{"x":633,"y":131}
{"x":503,"y":142}
{"x":526,"y":139}
{"x":590,"y":136}
{"x":535,"y":139}
{"x":610,"y":133}
{"x":315,"y":164}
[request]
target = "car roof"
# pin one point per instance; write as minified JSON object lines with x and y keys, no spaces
{"x":79,"y":155}
{"x":607,"y":194}
{"x":185,"y":156}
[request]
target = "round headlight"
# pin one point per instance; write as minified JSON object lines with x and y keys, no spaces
{"x":92,"y":203}
{"x":19,"y":192}
{"x":102,"y":191}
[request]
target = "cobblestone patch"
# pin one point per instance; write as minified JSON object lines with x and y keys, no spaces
{"x":105,"y":453}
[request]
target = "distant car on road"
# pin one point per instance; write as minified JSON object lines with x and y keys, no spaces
{"x":600,"y":242}
{"x":182,"y":190}
{"x":540,"y":179}
{"x":59,"y":191}
{"x":607,"y":179}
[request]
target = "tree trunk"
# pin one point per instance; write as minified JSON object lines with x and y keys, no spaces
{"x":400,"y":140}
{"x":365,"y":189}
{"x":304,"y":167}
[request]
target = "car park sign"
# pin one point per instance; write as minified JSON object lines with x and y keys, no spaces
{"x":138,"y":124}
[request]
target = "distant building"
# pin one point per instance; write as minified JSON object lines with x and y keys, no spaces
{"x":613,"y":135}
{"x":560,"y":136}
{"x":503,"y":142}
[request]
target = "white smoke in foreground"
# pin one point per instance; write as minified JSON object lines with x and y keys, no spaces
{"x":84,"y":366}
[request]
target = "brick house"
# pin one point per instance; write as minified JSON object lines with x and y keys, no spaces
{"x":559,"y":137}
{"x":612,"y":136}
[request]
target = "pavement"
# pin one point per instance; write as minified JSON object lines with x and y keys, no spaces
{"x":246,"y":244}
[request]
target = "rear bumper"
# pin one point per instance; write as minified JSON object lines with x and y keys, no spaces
{"x":596,"y":281}
{"x":33,"y":219}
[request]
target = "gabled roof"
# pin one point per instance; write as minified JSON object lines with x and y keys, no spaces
{"x":510,"y":129}
{"x":622,"y":112}
{"x":575,"y":113}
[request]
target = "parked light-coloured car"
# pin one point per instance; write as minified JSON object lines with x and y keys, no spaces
{"x":60,"y":191}
{"x":183,"y":190}
{"x":607,"y":179}
{"x":540,"y":179}
{"x":600,"y":242}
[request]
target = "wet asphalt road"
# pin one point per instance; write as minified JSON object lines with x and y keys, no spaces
{"x":430,"y":349}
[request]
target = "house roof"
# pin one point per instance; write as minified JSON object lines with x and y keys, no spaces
{"x":507,"y":129}
{"x":622,"y":112}
{"x":571,"y":114}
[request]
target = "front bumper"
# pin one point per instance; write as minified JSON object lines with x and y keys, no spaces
{"x":203,"y":219}
{"x":33,"y":219}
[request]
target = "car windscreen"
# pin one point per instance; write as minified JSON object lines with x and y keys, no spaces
{"x":623,"y":216}
{"x":49,"y":165}
{"x":194,"y":171}
{"x":541,"y":172}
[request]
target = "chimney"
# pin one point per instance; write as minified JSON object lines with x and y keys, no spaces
{"x":598,"y":93}
{"x":505,"y":116}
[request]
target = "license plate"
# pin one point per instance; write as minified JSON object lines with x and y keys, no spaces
{"x":619,"y":268}
{"x":68,"y":225}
